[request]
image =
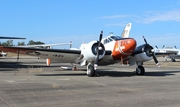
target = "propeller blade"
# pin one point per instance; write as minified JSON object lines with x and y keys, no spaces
{"x":145,"y":40}
{"x":154,"y":57}
{"x":99,"y":43}
{"x":163,"y":46}
{"x":156,"y":47}
{"x":155,"y":60}
{"x":152,"y":53}
{"x":97,"y":58}
{"x":100,"y":36}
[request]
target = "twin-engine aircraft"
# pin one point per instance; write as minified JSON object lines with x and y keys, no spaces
{"x":109,"y":50}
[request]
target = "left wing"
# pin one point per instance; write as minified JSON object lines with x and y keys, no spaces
{"x":62,"y":55}
{"x":45,"y":45}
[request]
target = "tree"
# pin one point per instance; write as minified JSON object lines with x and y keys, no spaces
{"x":31,"y":42}
{"x":7,"y":43}
{"x":21,"y":44}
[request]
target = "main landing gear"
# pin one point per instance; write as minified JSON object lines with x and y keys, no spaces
{"x":140,"y":70}
{"x":173,"y":60}
{"x":91,"y":72}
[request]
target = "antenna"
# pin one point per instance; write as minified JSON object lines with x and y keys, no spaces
{"x":70,"y":44}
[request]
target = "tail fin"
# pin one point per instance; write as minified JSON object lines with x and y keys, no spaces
{"x":126,"y":31}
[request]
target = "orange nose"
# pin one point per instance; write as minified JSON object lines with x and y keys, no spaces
{"x":128,"y":46}
{"x":123,"y":48}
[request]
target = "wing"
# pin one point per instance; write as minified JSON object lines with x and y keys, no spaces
{"x":166,"y":52}
{"x":62,"y":55}
{"x":45,"y":45}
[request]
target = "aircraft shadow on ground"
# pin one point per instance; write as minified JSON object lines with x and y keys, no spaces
{"x":129,"y":74}
{"x":103,"y":73}
{"x":64,"y":74}
{"x":162,"y":73}
{"x":11,"y":66}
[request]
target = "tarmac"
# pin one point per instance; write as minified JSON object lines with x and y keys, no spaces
{"x":29,"y":82}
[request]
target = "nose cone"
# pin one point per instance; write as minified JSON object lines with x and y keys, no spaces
{"x":124,"y":48}
{"x":128,"y":46}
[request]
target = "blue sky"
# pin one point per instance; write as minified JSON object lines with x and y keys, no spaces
{"x":57,"y":21}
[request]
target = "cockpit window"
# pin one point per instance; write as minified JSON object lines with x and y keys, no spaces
{"x":115,"y":37}
{"x":106,"y":41}
{"x":111,"y":38}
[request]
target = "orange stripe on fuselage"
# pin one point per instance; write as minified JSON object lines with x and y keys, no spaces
{"x":123,"y":48}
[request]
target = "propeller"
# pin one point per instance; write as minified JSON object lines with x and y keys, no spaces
{"x":97,"y":49}
{"x":151,"y":51}
{"x":156,"y":47}
{"x":163,"y":46}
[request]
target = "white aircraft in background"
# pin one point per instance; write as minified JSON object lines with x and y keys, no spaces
{"x":3,"y":54}
{"x":109,"y":50}
{"x":168,"y":53}
{"x":5,"y":37}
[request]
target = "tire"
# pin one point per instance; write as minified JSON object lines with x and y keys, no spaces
{"x":90,"y":71}
{"x":140,"y":70}
{"x":173,"y":60}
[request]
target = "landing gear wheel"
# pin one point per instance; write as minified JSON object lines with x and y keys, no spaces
{"x":173,"y":60}
{"x":90,"y":71}
{"x":140,"y":70}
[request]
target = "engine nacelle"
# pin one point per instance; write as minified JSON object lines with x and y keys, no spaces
{"x":143,"y":53}
{"x":89,"y":51}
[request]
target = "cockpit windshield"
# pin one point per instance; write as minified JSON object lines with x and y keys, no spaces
{"x":115,"y":37}
{"x":111,"y":38}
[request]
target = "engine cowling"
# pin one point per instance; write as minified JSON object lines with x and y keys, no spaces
{"x":143,"y":53}
{"x":89,"y":51}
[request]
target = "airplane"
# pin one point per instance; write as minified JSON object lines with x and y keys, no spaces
{"x":3,"y":54}
{"x":172,"y":53}
{"x":105,"y":51}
